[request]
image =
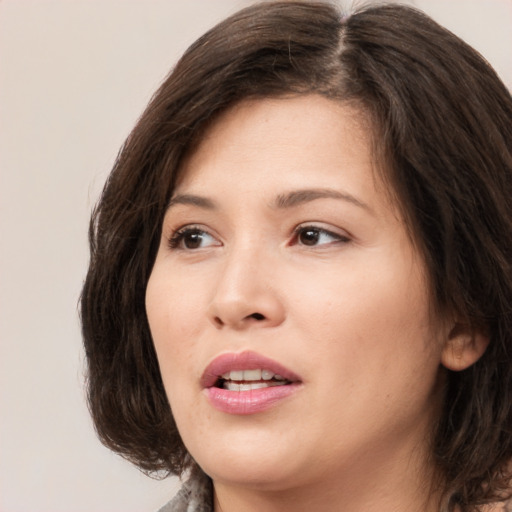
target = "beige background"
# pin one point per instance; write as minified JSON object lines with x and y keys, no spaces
{"x":74,"y":77}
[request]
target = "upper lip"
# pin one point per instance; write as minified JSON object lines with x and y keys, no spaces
{"x":247,"y":360}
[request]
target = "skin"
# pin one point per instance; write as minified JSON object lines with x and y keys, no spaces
{"x":349,"y":313}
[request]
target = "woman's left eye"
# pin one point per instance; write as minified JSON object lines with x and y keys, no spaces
{"x":313,"y":236}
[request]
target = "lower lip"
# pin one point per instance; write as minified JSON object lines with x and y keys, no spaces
{"x":249,"y":402}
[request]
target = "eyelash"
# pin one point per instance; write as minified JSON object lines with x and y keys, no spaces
{"x":176,"y":241}
{"x":177,"y":238}
{"x":304,"y":228}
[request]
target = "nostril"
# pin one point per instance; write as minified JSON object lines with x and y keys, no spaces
{"x":257,"y":316}
{"x":218,"y":321}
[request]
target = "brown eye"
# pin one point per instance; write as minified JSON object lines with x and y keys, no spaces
{"x":309,"y":236}
{"x":191,"y":238}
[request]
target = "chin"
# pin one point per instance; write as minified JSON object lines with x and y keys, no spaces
{"x":249,"y":463}
{"x":263,"y":477}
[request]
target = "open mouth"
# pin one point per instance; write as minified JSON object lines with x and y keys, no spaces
{"x":246,"y":371}
{"x":247,"y":383}
{"x":247,"y":380}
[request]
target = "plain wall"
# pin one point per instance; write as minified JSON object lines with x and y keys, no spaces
{"x":74,"y":77}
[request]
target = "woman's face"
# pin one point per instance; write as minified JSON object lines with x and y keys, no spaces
{"x":281,"y":254}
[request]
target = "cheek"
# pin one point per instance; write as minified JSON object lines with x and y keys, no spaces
{"x":372,"y":338}
{"x":173,"y":321}
{"x":173,"y":310}
{"x":374,"y":314}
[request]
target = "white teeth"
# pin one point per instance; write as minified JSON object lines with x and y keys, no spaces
{"x":247,"y":380}
{"x":233,"y":386}
{"x":248,"y":375}
{"x":256,"y":385}
{"x":252,"y":375}
{"x":236,"y":375}
{"x":266,"y":374}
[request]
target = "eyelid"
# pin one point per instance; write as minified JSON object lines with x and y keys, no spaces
{"x":177,"y":234}
{"x":340,"y":236}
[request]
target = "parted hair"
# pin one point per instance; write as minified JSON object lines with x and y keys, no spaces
{"x":443,"y":129}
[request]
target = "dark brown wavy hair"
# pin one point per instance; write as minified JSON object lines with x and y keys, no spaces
{"x":443,"y":128}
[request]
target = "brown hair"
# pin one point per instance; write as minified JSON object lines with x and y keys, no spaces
{"x":444,"y":122}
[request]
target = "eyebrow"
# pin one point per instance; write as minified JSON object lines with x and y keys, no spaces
{"x":282,"y":201}
{"x":200,"y":201}
{"x":298,"y":197}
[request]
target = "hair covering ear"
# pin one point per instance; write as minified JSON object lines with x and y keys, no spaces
{"x":465,"y":346}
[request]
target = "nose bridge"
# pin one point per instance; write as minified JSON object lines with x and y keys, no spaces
{"x":244,"y":293}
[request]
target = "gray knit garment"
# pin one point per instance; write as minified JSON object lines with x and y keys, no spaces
{"x":196,"y":495}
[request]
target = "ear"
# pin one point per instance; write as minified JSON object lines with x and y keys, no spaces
{"x":464,"y":347}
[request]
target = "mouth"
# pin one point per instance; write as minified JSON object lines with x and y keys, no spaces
{"x":247,"y":383}
{"x":232,"y":370}
{"x":247,"y":380}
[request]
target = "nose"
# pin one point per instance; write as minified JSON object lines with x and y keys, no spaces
{"x":246,"y":295}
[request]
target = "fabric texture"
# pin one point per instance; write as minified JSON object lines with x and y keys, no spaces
{"x":196,"y":495}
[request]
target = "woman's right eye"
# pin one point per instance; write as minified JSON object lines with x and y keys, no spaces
{"x":190,"y":238}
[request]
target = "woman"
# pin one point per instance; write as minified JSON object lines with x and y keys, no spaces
{"x":300,"y":290}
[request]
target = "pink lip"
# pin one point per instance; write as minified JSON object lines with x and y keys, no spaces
{"x":246,"y":402}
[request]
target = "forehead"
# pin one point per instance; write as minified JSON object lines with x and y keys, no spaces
{"x":298,"y":135}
